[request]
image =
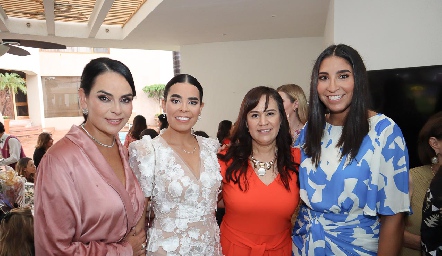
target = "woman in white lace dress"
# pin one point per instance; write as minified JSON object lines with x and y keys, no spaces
{"x":180,"y":173}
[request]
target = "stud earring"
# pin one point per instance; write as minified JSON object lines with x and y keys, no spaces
{"x":85,"y":111}
{"x":434,"y":160}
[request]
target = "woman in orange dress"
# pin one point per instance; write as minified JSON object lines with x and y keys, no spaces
{"x":260,"y":182}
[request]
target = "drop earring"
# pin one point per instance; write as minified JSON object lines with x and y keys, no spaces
{"x":199,"y":117}
{"x":85,"y":111}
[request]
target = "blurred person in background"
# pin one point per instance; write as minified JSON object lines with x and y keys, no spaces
{"x":138,"y":125}
{"x":44,"y":142}
{"x":26,"y":168}
{"x":295,"y":106}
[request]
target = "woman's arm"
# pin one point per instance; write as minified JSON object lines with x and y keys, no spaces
{"x":391,"y":234}
{"x":412,"y":241}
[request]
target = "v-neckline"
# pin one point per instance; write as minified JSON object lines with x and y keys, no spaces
{"x":259,"y":180}
{"x":184,"y":162}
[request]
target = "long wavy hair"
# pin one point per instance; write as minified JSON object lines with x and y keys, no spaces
{"x":43,"y":139}
{"x":356,"y":124}
{"x":237,"y":155}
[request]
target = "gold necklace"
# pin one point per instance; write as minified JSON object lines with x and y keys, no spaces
{"x":262,"y":167}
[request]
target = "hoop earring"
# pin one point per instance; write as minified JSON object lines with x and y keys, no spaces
{"x":85,"y":111}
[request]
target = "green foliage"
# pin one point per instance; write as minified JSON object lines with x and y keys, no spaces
{"x":13,"y":82}
{"x":155,"y":91}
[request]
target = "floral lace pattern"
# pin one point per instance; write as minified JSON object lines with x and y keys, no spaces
{"x":184,"y":205}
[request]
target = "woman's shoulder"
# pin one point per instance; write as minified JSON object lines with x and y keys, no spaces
{"x":381,"y":123}
{"x":379,"y":118}
{"x":143,"y":146}
{"x":209,"y":143}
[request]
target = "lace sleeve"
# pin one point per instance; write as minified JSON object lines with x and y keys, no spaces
{"x":142,"y":162}
{"x":211,"y":144}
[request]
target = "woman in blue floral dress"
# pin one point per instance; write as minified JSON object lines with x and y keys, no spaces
{"x":354,"y":166}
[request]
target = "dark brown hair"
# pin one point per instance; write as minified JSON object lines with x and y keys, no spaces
{"x":238,"y":153}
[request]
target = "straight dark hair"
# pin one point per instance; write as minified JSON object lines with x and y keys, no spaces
{"x":356,"y":125}
{"x":237,"y":155}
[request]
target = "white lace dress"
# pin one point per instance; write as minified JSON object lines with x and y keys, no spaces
{"x":184,"y":206}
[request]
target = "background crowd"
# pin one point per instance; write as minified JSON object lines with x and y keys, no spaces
{"x":290,"y":176}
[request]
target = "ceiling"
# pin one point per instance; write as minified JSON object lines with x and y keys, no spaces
{"x":159,"y":24}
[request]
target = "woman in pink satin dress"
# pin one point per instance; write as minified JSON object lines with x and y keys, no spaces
{"x":87,"y":199}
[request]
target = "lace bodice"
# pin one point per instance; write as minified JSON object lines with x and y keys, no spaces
{"x":184,"y":206}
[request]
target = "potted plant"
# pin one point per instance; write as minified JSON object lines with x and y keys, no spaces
{"x":155,"y":91}
{"x":11,"y":83}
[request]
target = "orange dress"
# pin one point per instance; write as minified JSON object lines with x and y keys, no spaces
{"x":257,"y":221}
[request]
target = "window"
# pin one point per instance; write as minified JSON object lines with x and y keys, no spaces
{"x":60,"y":96}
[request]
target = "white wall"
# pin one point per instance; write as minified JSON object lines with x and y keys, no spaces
{"x":147,"y":67}
{"x":228,"y":70}
{"x":391,"y":34}
{"x":35,"y":103}
{"x":329,"y":33}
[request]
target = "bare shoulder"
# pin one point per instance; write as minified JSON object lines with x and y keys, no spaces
{"x":371,"y":113}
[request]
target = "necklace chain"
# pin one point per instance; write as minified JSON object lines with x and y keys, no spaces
{"x":262,"y":167}
{"x":189,"y":152}
{"x":99,"y":143}
{"x":432,"y":169}
{"x":193,"y":150}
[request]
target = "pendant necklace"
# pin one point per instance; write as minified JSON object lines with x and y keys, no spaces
{"x":99,"y":143}
{"x":262,"y":167}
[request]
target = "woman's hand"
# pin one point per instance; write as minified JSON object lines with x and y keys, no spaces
{"x":137,"y":241}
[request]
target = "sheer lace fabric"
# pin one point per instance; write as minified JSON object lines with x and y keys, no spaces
{"x":184,"y":205}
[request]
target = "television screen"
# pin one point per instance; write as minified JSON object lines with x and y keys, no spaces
{"x":409,"y":96}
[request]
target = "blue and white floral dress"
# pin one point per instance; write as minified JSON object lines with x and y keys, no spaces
{"x":342,"y":199}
